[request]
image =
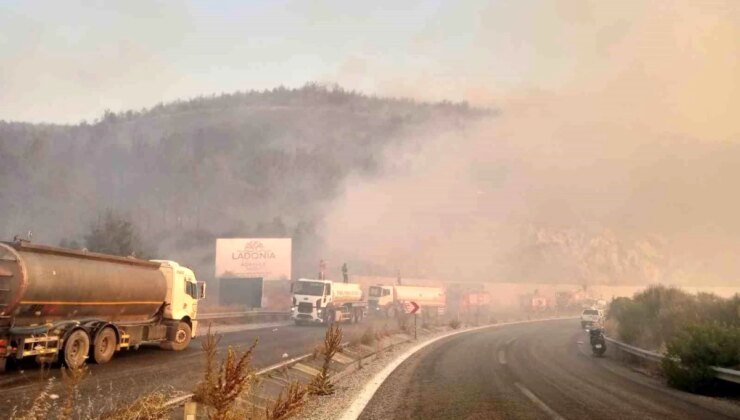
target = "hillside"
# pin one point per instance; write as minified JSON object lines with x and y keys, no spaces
{"x":261,"y":163}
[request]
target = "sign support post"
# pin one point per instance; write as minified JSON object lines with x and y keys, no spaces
{"x":411,"y":307}
{"x":414,"y":325}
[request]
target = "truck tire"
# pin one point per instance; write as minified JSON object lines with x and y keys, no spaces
{"x":180,"y":338}
{"x":104,"y":346}
{"x":76,"y":349}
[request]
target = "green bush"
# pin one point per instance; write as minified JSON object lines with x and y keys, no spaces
{"x":654,"y":316}
{"x":696,"y":332}
{"x":630,"y":317}
{"x":695,"y":349}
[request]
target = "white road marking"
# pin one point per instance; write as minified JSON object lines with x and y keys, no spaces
{"x":502,"y":357}
{"x":538,"y":402}
{"x":367,"y":393}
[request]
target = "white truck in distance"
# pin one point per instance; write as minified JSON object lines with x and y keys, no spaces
{"x":591,"y":317}
{"x":326,"y":301}
{"x":387,"y":300}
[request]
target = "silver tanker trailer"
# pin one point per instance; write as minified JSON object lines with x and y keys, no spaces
{"x":63,"y":304}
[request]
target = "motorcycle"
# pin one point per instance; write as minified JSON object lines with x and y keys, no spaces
{"x":598,"y":342}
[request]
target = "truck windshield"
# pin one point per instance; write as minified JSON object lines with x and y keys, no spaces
{"x":310,"y":288}
{"x":375,"y":291}
{"x":590,"y":312}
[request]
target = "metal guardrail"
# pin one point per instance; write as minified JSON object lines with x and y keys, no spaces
{"x":256,"y":314}
{"x":729,"y":375}
{"x":645,"y":354}
{"x":724,"y":374}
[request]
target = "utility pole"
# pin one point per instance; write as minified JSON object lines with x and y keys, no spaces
{"x":345,"y":274}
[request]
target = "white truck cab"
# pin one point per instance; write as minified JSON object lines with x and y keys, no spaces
{"x":326,"y":301}
{"x":380,"y":297}
{"x":183,"y":293}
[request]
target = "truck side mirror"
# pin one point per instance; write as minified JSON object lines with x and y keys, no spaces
{"x":201,"y":290}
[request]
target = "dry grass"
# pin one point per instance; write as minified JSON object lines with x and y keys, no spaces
{"x":454,"y":324}
{"x":317,"y":351}
{"x":40,"y":407}
{"x":71,"y":378}
{"x":321,"y":384}
{"x":287,"y":403}
{"x":222,"y":386}
{"x":69,"y":405}
{"x":46,"y":404}
{"x":149,"y":407}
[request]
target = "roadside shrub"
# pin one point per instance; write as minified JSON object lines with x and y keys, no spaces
{"x":695,"y":349}
{"x":287,"y":403}
{"x":403,"y":322}
{"x":630,"y":317}
{"x":654,"y":316}
{"x":71,"y":378}
{"x":223,"y":384}
{"x":454,"y":324}
{"x":321,"y":384}
{"x":368,"y":337}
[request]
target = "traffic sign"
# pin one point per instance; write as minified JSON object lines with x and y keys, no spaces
{"x":410,"y":307}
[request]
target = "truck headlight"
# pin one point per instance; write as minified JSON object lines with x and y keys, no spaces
{"x":319,"y":311}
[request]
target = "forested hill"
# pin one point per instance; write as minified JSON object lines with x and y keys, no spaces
{"x":263,"y":163}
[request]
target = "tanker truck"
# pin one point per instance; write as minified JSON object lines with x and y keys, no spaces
{"x":64,"y":305}
{"x":326,"y":301}
{"x":388,"y":300}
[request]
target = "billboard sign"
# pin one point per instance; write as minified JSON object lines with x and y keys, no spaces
{"x":266,"y":258}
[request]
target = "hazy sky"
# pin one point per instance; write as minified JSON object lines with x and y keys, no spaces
{"x":65,"y":61}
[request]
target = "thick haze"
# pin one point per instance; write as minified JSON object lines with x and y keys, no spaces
{"x":613,"y":157}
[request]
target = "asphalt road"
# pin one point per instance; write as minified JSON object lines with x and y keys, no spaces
{"x":530,"y":371}
{"x":137,"y":372}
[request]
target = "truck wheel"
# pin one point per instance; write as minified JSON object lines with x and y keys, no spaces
{"x":76,"y":348}
{"x":104,"y":346}
{"x":180,"y":339}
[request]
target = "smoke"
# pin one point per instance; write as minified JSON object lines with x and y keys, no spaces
{"x":624,"y":172}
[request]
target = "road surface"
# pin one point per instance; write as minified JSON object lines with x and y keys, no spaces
{"x":530,"y":371}
{"x":134,"y":373}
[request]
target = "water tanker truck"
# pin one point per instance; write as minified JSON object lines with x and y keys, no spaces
{"x":388,"y":300}
{"x":326,"y":301}
{"x":66,"y":305}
